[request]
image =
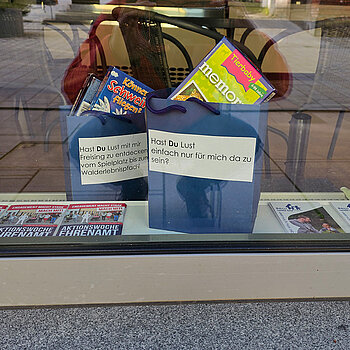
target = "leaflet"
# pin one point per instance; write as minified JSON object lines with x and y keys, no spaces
{"x":305,"y":217}
{"x":343,"y":209}
{"x":31,"y":220}
{"x":93,"y":219}
{"x":2,"y":209}
{"x":64,"y":219}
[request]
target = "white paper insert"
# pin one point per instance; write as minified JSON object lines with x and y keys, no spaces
{"x":211,"y":157}
{"x":112,"y":158}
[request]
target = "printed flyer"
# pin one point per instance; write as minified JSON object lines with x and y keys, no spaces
{"x":343,"y":209}
{"x":31,"y":220}
{"x":92,"y":219}
{"x":2,"y":209}
{"x":305,"y":217}
{"x":225,"y":76}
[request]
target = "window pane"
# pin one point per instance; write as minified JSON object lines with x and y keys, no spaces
{"x":275,"y":171}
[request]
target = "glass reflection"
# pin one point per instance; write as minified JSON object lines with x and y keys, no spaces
{"x":49,"y":47}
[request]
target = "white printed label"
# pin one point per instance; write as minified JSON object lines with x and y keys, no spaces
{"x":113,"y":158}
{"x":211,"y":157}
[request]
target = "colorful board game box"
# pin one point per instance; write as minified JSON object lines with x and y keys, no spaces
{"x":86,"y":95}
{"x":225,"y":75}
{"x":120,"y":94}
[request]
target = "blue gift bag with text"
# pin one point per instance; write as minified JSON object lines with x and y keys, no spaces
{"x":205,"y":164}
{"x":105,"y":156}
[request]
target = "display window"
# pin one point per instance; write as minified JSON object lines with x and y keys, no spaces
{"x":138,"y":127}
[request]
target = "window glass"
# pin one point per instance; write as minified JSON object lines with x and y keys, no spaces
{"x":268,"y":163}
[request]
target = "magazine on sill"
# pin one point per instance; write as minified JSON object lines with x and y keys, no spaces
{"x":64,"y":219}
{"x":93,"y":219}
{"x":343,"y":209}
{"x":31,"y":220}
{"x":2,"y":209}
{"x":305,"y":217}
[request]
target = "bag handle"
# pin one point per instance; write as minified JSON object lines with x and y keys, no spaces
{"x":95,"y":46}
{"x":180,"y":108}
{"x":204,"y":104}
{"x":102,"y":116}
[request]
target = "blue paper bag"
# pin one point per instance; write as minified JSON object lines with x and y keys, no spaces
{"x":105,"y":156}
{"x":205,"y":163}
